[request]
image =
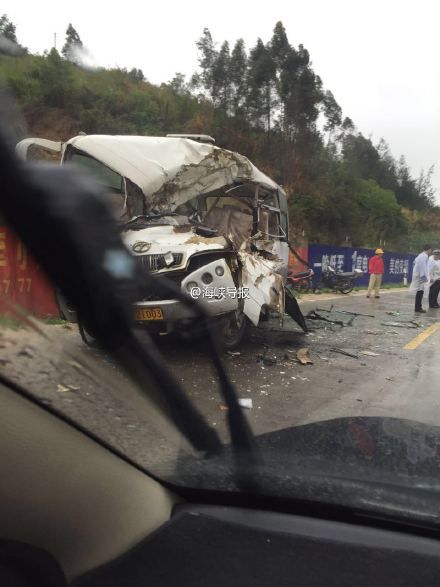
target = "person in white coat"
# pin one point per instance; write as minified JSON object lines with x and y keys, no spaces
{"x":434,"y":278}
{"x":420,"y":277}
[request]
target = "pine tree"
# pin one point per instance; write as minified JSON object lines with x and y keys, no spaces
{"x":261,"y":81}
{"x":220,"y":76}
{"x":72,"y":45}
{"x":207,"y":59}
{"x":7,"y":29}
{"x":332,"y":112}
{"x":238,"y":73}
{"x":8,"y":38}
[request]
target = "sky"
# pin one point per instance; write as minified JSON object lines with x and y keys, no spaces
{"x":380,"y":59}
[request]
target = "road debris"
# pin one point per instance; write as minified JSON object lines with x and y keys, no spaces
{"x":333,"y":309}
{"x":344,"y":352}
{"x":369,"y":353}
{"x":265,"y":359}
{"x":314,"y":315}
{"x":407,"y":324}
{"x":245,"y":403}
{"x":374,"y":332}
{"x":62,"y":388}
{"x":393,"y":313}
{"x":303,"y":356}
{"x":26,"y":352}
{"x":234,"y":353}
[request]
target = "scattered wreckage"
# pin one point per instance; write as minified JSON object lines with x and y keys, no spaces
{"x":203,"y":216}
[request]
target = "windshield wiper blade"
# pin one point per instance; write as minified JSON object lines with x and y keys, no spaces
{"x":148,"y":217}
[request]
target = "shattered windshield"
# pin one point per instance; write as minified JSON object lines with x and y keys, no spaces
{"x":280,"y":286}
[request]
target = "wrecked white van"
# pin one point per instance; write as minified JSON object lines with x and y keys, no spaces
{"x":204,"y":216}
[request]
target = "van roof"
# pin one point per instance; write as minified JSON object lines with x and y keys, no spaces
{"x":170,"y":170}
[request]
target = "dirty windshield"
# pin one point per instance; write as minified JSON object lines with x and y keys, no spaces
{"x":275,"y":252}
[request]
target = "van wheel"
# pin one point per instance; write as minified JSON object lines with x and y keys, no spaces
{"x":232,"y":329}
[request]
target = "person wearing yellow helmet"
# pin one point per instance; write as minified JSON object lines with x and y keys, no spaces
{"x":376,"y":269}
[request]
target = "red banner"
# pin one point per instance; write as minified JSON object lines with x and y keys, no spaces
{"x":22,"y":281}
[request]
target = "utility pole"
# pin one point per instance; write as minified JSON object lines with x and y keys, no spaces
{"x":55,"y":41}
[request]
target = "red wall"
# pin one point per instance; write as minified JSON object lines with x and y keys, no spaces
{"x":22,"y":281}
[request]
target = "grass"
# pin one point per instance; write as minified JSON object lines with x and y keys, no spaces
{"x":54,"y":320}
{"x":15,"y":323}
{"x":8,"y":321}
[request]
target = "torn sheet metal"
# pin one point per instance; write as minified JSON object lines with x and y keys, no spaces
{"x":265,"y":285}
{"x":293,"y":309}
{"x":170,"y":171}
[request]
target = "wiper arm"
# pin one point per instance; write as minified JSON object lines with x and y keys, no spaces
{"x":148,"y":217}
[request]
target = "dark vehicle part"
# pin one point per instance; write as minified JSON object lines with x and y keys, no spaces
{"x":293,"y":309}
{"x":67,"y":312}
{"x":87,"y":338}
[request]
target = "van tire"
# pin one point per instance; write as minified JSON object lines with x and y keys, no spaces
{"x":232,"y":329}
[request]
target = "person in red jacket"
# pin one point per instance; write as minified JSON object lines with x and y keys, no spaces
{"x":376,"y":269}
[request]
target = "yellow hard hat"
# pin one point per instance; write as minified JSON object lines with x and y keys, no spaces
{"x":379,"y":252}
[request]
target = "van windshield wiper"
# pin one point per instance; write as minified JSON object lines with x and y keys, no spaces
{"x":140,"y":221}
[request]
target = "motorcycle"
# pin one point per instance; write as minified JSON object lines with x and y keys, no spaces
{"x":302,"y":280}
{"x":340,"y":281}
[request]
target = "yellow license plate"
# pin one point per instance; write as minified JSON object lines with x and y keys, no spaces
{"x":142,"y":314}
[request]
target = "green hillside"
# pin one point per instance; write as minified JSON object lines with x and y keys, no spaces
{"x":267,"y":103}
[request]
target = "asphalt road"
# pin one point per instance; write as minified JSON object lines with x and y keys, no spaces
{"x":383,"y":378}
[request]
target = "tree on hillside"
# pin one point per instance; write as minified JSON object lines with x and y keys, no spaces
{"x":261,"y":80}
{"x":178,"y":84}
{"x":8,"y":37}
{"x":72,"y":45}
{"x":8,"y":28}
{"x":136,"y":75}
{"x":238,"y":69}
{"x":279,"y":45}
{"x":425,"y":189}
{"x":208,"y":55}
{"x":220,"y":78}
{"x":332,"y":112}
